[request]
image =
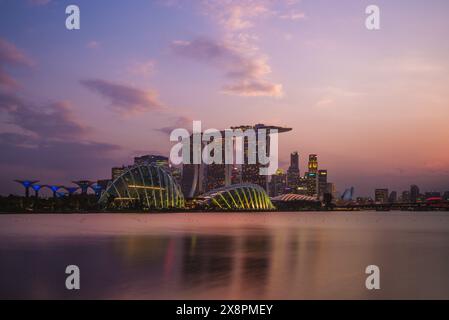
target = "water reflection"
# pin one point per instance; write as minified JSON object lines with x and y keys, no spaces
{"x":249,"y":261}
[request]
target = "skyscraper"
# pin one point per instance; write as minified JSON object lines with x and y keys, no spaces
{"x":322,"y":182}
{"x":293,"y":173}
{"x":312,"y":176}
{"x":381,"y":195}
{"x":251,"y":172}
{"x":278,"y":183}
{"x":414,"y":193}
{"x":313,"y":163}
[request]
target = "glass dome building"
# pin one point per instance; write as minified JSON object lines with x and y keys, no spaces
{"x":239,"y":197}
{"x":143,"y":187}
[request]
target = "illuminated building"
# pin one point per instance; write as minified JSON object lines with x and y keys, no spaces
{"x":312,"y":176}
{"x":381,"y":195}
{"x":236,"y":176}
{"x":251,"y":172}
{"x":217,"y":175}
{"x":241,"y":197}
{"x":143,"y":187}
{"x":152,"y":159}
{"x":311,"y":183}
{"x":313,"y":163}
{"x":117,"y":172}
{"x":278,"y":183}
{"x":322,"y":183}
{"x":302,"y":186}
{"x":405,"y":197}
{"x":293,"y":172}
{"x":27,"y":184}
{"x":295,"y":202}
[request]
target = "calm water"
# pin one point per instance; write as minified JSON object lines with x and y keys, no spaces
{"x":225,"y":256}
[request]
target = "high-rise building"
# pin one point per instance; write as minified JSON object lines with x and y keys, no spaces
{"x":251,"y":172}
{"x":381,"y":195}
{"x":218,"y":175}
{"x":331,"y":188}
{"x":405,"y":197}
{"x":414,"y":193}
{"x":278,"y":183}
{"x":322,"y":182}
{"x":393,"y":197}
{"x":293,"y":173}
{"x":312,"y":181}
{"x":313,"y":163}
{"x":117,"y":172}
{"x":302,"y":186}
{"x":312,"y":176}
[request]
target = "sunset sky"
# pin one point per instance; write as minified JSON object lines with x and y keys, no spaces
{"x":374,"y":105}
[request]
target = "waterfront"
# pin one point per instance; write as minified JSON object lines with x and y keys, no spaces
{"x":314,"y":255}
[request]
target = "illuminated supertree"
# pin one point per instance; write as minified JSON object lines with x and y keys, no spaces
{"x":27,"y":184}
{"x":54,"y":189}
{"x":36,"y":188}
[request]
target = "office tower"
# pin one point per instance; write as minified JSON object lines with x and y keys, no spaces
{"x":313,"y":163}
{"x":302,"y":188}
{"x":192,"y":181}
{"x":322,"y":182}
{"x":414,"y":193}
{"x":331,"y":188}
{"x":406,"y":196}
{"x":381,"y":195}
{"x":152,"y":159}
{"x":393,"y":197}
{"x":117,"y":172}
{"x":312,"y":176}
{"x":278,"y":183}
{"x":293,"y":173}
{"x":218,"y":175}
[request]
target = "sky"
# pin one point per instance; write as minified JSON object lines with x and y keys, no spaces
{"x":373,"y":105}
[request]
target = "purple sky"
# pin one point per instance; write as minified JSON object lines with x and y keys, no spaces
{"x":373,"y":105}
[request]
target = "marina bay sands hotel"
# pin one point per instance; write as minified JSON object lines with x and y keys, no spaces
{"x":200,"y":178}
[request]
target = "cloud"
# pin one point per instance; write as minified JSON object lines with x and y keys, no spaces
{"x":124,"y":99}
{"x":178,"y":122}
{"x":293,"y":15}
{"x":247,"y":72}
{"x":54,"y":120}
{"x":11,"y":56}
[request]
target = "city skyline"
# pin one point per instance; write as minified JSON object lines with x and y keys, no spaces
{"x":372,"y":105}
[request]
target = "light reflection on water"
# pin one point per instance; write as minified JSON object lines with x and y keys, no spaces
{"x":225,"y":256}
